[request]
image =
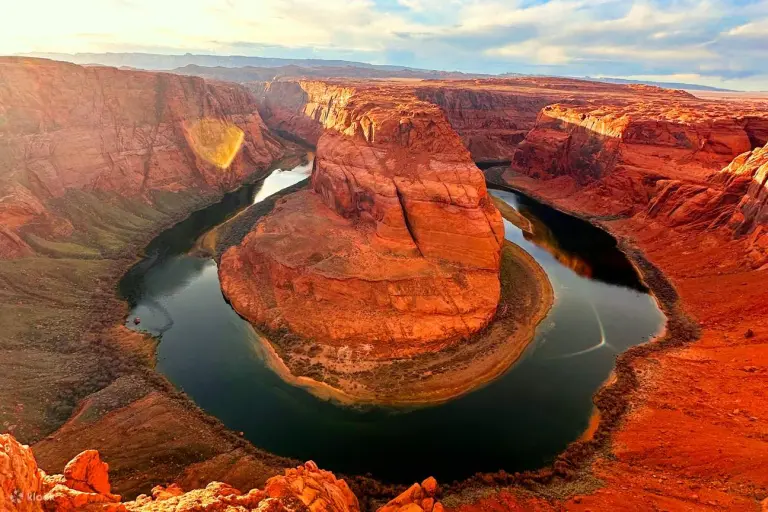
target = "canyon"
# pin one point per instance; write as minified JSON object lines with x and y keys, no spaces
{"x":88,"y":178}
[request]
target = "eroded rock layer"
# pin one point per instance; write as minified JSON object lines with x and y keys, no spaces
{"x":622,"y":152}
{"x":67,"y":130}
{"x":398,"y":239}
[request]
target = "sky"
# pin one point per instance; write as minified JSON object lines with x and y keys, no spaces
{"x":721,"y":43}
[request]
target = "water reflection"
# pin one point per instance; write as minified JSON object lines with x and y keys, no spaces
{"x":284,"y":178}
{"x":542,"y":236}
{"x":589,"y":251}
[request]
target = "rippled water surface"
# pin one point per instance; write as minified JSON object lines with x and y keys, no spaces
{"x":519,"y":421}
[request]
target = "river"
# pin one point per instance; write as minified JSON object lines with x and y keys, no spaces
{"x":520,"y":421}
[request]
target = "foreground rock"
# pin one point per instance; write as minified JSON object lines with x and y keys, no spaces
{"x":397,"y":246}
{"x":418,"y":498}
{"x":84,"y":487}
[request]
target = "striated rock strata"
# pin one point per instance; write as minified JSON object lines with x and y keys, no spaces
{"x":68,"y":131}
{"x":396,"y":245}
{"x":623,"y":152}
{"x":688,"y":164}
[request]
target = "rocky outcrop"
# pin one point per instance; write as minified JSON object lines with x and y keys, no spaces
{"x":418,"y":498}
{"x":67,"y":130}
{"x":301,"y":109}
{"x":84,"y":487}
{"x":588,"y":143}
{"x":398,"y":240}
{"x":749,"y":172}
{"x":735,"y":198}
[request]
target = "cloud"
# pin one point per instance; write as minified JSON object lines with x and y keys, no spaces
{"x":751,"y":29}
{"x":415,"y":5}
{"x":541,"y":53}
{"x":724,"y":41}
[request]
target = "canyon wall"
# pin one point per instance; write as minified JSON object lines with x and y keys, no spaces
{"x":681,"y":182}
{"x":491,"y":123}
{"x":398,"y":239}
{"x":68,"y":131}
{"x":635,"y":155}
{"x":493,"y":116}
{"x":94,"y":161}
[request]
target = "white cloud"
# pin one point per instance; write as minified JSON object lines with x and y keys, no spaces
{"x":414,"y":5}
{"x":617,"y":37}
{"x":754,"y":28}
{"x":650,"y":54}
{"x":533,"y":50}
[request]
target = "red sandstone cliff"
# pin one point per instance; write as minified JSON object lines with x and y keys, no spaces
{"x":67,"y":130}
{"x":398,"y":240}
{"x":493,"y":116}
{"x":626,"y":155}
{"x":491,"y":123}
{"x":682,"y":181}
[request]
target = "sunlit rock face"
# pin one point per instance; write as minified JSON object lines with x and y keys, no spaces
{"x":734,"y":199}
{"x":67,"y":129}
{"x":676,"y":160}
{"x":620,"y":152}
{"x":216,"y":141}
{"x":397,"y":244}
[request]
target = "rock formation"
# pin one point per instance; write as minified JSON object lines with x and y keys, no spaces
{"x":417,"y":498}
{"x":491,"y":123}
{"x":398,"y":240}
{"x":84,"y":487}
{"x":682,"y":164}
{"x":67,"y":132}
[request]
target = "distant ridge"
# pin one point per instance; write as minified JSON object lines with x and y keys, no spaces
{"x":261,"y":67}
{"x":158,"y":62}
{"x":665,"y":85}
